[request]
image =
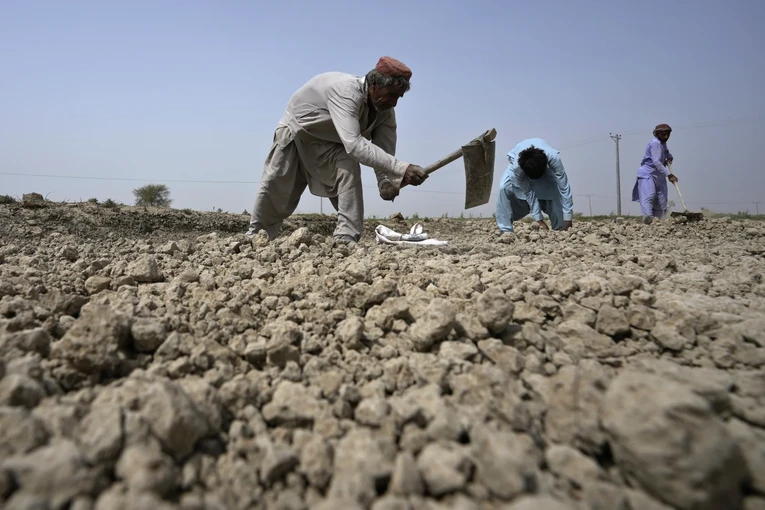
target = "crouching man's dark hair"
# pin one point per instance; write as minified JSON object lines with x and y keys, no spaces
{"x":533,"y":162}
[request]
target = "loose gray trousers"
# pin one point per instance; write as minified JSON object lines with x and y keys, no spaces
{"x":284,"y":181}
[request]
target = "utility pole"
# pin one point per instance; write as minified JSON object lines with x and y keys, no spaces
{"x":616,"y":138}
{"x":589,"y":202}
{"x":757,"y":207}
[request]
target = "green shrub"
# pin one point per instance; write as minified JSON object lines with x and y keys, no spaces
{"x":152,"y":195}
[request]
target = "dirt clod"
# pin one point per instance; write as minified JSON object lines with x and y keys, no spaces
{"x":162,"y":359}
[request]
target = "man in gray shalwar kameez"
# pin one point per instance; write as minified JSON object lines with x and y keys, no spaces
{"x":332,"y":125}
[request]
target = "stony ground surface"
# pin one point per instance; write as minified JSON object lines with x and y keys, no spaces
{"x":162,"y":360}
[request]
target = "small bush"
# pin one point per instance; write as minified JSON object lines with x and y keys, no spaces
{"x":187,"y":211}
{"x":109,"y":203}
{"x":93,"y":201}
{"x":152,"y":195}
{"x":7,"y":199}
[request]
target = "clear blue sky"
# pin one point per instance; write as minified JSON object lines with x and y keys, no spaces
{"x":193,"y":90}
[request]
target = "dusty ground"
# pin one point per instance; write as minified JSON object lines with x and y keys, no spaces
{"x":158,"y":360}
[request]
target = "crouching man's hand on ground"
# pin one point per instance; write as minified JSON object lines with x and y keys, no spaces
{"x":387,"y":190}
{"x":414,"y":175}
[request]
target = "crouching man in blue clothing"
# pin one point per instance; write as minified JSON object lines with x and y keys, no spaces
{"x":535,"y":181}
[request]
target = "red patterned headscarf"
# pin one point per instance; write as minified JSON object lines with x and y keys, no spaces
{"x":389,"y":66}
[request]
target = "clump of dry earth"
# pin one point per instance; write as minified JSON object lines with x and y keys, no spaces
{"x":161,"y":359}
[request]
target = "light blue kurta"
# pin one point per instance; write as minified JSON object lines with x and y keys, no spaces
{"x":550,"y":193}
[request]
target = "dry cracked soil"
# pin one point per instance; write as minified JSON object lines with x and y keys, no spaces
{"x":160,"y":359}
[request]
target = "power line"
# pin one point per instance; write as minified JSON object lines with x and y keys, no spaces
{"x":696,"y":125}
{"x":712,"y":123}
{"x":583,"y":141}
{"x":437,"y":192}
{"x":702,"y":202}
{"x":187,"y":181}
{"x":588,"y":195}
{"x":595,"y":195}
{"x":88,"y":177}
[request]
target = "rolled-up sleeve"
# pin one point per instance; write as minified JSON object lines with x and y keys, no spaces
{"x":567,"y":202}
{"x":344,"y":112}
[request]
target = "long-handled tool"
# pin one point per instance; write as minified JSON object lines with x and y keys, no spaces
{"x":479,"y":167}
{"x":692,"y":216}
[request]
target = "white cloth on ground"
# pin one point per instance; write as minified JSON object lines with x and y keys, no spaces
{"x":385,"y":235}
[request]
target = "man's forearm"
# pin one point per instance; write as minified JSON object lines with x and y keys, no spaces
{"x":385,"y":137}
{"x":368,"y":154}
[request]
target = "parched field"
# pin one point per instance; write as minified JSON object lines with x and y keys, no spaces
{"x":160,"y":359}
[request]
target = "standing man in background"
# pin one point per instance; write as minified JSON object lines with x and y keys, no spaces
{"x":534,"y":182}
{"x":651,"y":184}
{"x":332,"y":125}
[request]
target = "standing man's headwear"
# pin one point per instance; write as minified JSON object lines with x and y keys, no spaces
{"x":389,"y":66}
{"x":662,"y":127}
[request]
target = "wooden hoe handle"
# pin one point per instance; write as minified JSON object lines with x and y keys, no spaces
{"x":488,"y":136}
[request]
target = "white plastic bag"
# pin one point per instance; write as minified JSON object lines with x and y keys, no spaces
{"x":415,"y":236}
